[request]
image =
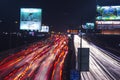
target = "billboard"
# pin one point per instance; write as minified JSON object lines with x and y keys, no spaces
{"x":45,"y":29}
{"x":88,"y":26}
{"x":108,"y":13}
{"x":73,"y":31}
{"x":30,"y":18}
{"x":108,"y":24}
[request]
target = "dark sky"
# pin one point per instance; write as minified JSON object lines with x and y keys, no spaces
{"x":57,"y":13}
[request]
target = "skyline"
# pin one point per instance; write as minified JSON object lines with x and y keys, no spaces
{"x":58,"y":14}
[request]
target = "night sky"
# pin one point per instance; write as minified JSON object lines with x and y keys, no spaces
{"x":57,"y":13}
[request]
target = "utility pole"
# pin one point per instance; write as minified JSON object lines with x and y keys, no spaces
{"x":80,"y":52}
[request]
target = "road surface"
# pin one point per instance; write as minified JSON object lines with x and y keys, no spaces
{"x":40,"y":61}
{"x":103,"y":64}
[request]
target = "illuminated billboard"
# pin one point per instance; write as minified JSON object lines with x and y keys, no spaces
{"x":108,"y":24}
{"x":88,"y":26}
{"x":108,"y":13}
{"x":30,"y":19}
{"x":45,"y":29}
{"x":73,"y":31}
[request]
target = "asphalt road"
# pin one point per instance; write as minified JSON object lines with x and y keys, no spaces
{"x":40,"y":61}
{"x":103,"y":64}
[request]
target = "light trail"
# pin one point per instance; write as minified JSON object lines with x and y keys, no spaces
{"x":103,"y":65}
{"x":36,"y":62}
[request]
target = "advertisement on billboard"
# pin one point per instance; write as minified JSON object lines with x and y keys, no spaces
{"x":30,"y":18}
{"x":108,"y":13}
{"x":45,"y":29}
{"x":90,"y":25}
{"x":108,"y":25}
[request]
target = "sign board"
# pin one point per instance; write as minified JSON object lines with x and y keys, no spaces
{"x":83,"y":59}
{"x":73,"y":31}
{"x":74,"y":75}
{"x":88,"y":26}
{"x":108,"y":25}
{"x":108,"y":13}
{"x":30,"y":19}
{"x":45,"y":29}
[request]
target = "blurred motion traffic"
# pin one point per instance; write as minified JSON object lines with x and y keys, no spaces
{"x":40,"y":61}
{"x":104,"y":65}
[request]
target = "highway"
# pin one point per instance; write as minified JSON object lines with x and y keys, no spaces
{"x":40,"y":61}
{"x":103,"y":64}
